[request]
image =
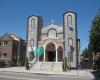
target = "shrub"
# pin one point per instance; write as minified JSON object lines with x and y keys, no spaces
{"x":2,"y":64}
{"x":27,"y":64}
{"x":10,"y":63}
{"x":64,"y":64}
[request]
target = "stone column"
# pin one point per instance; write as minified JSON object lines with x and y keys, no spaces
{"x":44,"y":55}
{"x":56,"y":55}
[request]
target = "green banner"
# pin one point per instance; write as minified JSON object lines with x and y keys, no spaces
{"x":38,"y":51}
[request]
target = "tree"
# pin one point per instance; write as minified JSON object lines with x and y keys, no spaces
{"x":85,"y":53}
{"x":64,"y":64}
{"x":27,"y":64}
{"x":95,"y":41}
{"x":95,"y":34}
{"x":0,"y":52}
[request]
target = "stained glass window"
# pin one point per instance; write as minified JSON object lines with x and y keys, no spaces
{"x":52,"y":32}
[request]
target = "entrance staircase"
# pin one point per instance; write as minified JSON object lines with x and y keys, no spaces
{"x":47,"y":66}
{"x":43,"y":66}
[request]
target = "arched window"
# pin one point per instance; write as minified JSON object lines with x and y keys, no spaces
{"x":70,"y":42}
{"x":52,"y":32}
{"x":69,"y":20}
{"x":33,"y":23}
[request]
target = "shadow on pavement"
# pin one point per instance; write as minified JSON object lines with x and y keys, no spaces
{"x":96,"y":75}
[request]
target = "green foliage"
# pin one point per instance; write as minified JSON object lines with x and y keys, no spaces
{"x":95,"y":34}
{"x":0,"y":52}
{"x":10,"y":63}
{"x":97,"y":60}
{"x":2,"y":64}
{"x":64,"y":64}
{"x":6,"y":64}
{"x":85,"y":53}
{"x":27,"y":64}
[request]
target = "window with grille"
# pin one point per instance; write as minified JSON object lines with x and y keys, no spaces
{"x":5,"y":43}
{"x":52,"y":32}
{"x":4,"y":55}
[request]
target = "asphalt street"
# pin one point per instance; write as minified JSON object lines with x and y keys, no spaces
{"x":30,"y":76}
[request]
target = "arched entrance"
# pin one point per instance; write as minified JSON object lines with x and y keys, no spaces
{"x":50,"y":52}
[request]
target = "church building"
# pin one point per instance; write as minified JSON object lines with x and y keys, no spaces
{"x":57,"y":41}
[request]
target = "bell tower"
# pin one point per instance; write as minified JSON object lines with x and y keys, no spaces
{"x":35,"y":23}
{"x":70,"y":38}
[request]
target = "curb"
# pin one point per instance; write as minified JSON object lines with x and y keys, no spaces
{"x":68,"y":73}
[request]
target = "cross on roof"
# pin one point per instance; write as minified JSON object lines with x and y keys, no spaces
{"x":52,"y":21}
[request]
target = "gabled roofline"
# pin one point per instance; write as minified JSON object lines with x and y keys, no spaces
{"x":4,"y":35}
{"x":10,"y":35}
{"x":53,"y":24}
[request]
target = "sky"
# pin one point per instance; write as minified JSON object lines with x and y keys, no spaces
{"x":14,"y":15}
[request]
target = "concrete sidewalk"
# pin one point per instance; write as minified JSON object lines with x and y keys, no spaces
{"x":86,"y":73}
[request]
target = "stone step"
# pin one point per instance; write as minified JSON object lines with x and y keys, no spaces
{"x":48,"y":66}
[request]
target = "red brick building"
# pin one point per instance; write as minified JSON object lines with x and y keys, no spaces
{"x":12,"y":48}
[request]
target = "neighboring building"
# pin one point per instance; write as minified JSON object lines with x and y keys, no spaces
{"x":12,"y":48}
{"x":58,"y":41}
